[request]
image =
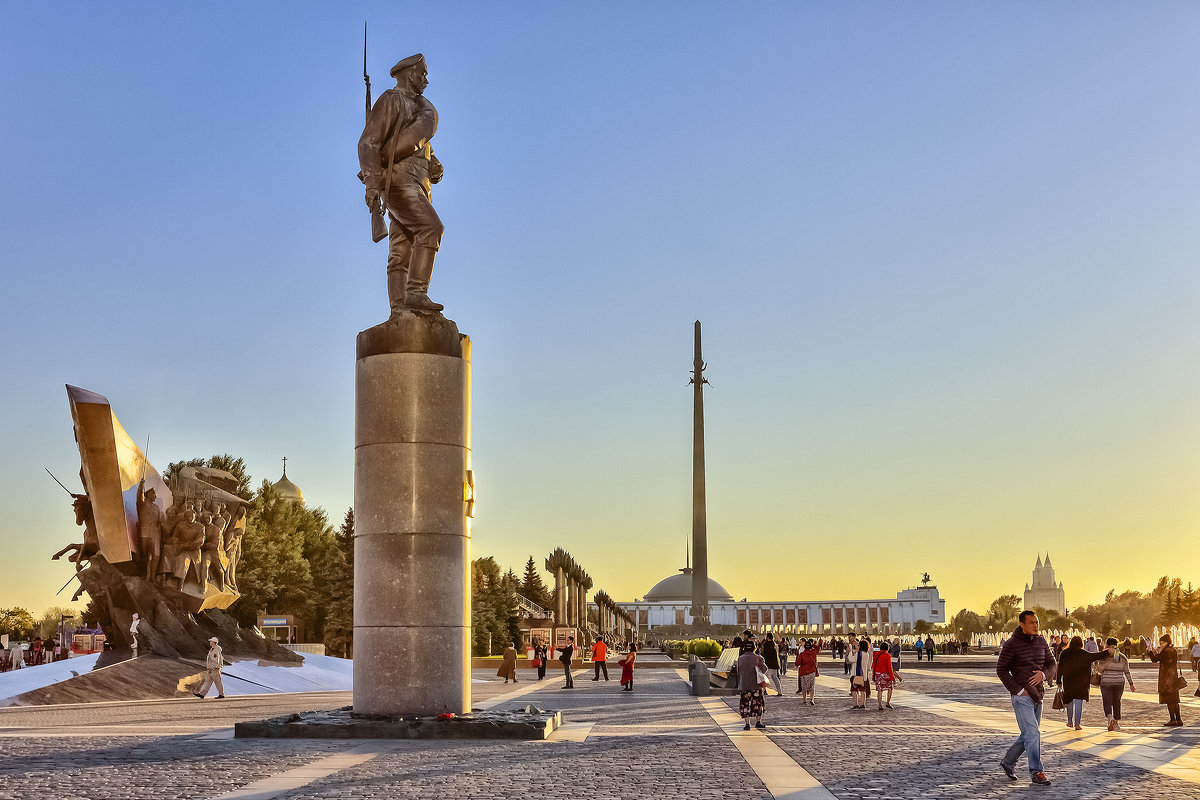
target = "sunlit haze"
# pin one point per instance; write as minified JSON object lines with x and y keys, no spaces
{"x":945,"y":257}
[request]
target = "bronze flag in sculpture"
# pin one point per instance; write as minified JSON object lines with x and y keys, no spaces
{"x":111,"y":467}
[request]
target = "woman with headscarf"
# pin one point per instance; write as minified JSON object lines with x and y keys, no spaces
{"x":752,"y":682}
{"x":1074,"y":678}
{"x":1167,"y":659}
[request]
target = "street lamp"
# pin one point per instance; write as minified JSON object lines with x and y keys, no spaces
{"x":62,"y":631}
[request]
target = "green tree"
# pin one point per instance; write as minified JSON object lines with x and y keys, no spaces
{"x":1172,"y":612}
{"x":18,"y":623}
{"x":1003,"y":611}
{"x":510,"y":618}
{"x":275,"y":575}
{"x":485,"y":574}
{"x":968,"y":622}
{"x":47,"y":624}
{"x":339,"y":622}
{"x":532,"y":587}
{"x":1189,"y":605}
{"x":493,"y":607}
{"x":1109,"y":618}
{"x":922,"y":627}
{"x":1052,"y":620}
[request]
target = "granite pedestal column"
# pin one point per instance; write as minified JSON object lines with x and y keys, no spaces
{"x":412,"y":588}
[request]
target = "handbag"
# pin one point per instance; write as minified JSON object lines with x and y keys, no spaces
{"x":761,"y":677}
{"x":1180,"y":682}
{"x":1058,"y":700}
{"x":537,"y":662}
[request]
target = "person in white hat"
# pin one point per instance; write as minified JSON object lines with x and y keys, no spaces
{"x":212,"y":671}
{"x":133,"y":629}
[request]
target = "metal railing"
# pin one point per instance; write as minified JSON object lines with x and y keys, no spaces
{"x":528,"y":608}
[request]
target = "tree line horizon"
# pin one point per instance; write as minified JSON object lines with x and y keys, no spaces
{"x":295,"y":562}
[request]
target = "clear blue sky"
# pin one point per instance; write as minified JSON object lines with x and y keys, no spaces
{"x":945,"y":255}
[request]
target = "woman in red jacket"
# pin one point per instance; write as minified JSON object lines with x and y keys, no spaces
{"x":626,"y":664}
{"x":806,"y":668}
{"x":883,"y":676}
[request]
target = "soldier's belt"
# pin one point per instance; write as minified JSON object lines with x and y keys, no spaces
{"x":416,"y":158}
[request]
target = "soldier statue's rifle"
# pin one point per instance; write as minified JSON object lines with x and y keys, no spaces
{"x":379,"y":229}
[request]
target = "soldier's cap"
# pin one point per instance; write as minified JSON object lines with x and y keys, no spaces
{"x":411,"y":61}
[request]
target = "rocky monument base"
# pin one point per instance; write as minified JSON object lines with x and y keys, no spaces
{"x":165,"y":628}
{"x":345,"y":724}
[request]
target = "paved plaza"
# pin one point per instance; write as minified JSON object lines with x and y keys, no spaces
{"x":944,"y":739}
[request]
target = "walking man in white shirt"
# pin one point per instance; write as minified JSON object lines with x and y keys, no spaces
{"x":212,"y":671}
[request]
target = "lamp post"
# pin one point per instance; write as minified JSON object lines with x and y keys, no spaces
{"x":62,"y":631}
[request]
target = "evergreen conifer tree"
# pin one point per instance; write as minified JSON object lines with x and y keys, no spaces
{"x":532,"y":587}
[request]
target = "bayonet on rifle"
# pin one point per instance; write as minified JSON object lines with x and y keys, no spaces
{"x":378,"y":223}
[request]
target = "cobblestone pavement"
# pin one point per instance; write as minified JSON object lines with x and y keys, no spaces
{"x":655,"y":742}
{"x":908,"y":753}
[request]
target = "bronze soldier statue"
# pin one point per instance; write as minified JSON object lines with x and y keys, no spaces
{"x":151,"y":521}
{"x":213,"y":548}
{"x":398,"y":167}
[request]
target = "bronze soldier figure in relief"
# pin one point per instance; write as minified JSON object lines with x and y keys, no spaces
{"x":398,"y":167}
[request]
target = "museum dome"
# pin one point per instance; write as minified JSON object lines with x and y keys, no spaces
{"x":678,"y":588}
{"x":287,"y":489}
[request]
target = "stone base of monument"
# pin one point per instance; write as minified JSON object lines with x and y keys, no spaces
{"x":167,"y":627}
{"x":345,"y":724}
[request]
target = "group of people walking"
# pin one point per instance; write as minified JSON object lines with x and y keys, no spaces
{"x":1027,"y":662}
{"x":760,"y":663}
{"x":541,"y":655}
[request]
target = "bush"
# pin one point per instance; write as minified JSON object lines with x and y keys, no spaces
{"x":704,"y":648}
{"x":701,"y":648}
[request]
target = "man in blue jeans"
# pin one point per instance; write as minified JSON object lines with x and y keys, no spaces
{"x":1025,"y":663}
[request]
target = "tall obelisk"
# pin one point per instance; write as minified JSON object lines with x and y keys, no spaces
{"x":701,"y":613}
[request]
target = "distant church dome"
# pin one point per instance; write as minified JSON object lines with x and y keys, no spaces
{"x":287,"y":489}
{"x":678,"y":588}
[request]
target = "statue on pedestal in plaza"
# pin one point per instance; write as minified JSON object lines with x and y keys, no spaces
{"x":412,"y":429}
{"x":398,"y":167}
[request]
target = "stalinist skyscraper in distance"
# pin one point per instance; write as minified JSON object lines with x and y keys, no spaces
{"x":1045,"y":592}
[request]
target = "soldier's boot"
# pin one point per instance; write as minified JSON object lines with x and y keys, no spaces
{"x":397,"y":283}
{"x":420,"y":269}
